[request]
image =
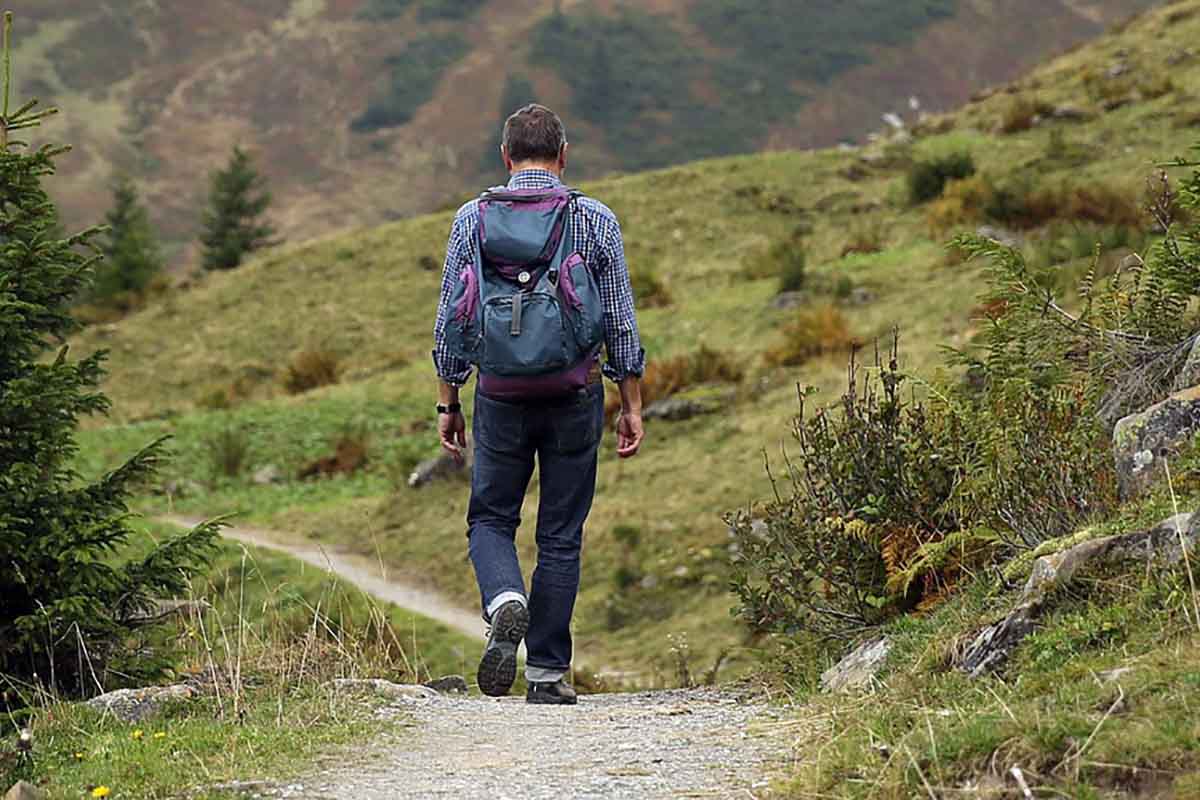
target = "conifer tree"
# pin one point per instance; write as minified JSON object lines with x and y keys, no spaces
{"x":233,"y":222}
{"x":68,"y":602}
{"x":131,"y":254}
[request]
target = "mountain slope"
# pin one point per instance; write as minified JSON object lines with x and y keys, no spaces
{"x":363,"y":111}
{"x":705,"y":231}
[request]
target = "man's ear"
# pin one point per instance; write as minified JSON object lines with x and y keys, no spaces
{"x":562,"y":157}
{"x":508,"y":164}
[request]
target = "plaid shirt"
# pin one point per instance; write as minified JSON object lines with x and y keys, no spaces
{"x":597,"y":237}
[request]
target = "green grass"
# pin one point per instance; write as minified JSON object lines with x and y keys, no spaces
{"x":289,"y":628}
{"x":702,"y":229}
{"x":1057,"y":712}
{"x":190,"y":748}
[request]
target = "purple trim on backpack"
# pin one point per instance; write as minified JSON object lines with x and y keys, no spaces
{"x":541,"y":386}
{"x":470,"y":299}
{"x":568,"y":283}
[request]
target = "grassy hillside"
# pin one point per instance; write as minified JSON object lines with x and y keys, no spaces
{"x":206,"y":364}
{"x":364,"y":111}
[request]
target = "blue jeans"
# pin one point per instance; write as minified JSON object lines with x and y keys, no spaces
{"x":565,"y":436}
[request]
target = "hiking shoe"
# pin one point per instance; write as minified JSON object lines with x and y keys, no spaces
{"x":498,"y":666}
{"x":558,"y":693}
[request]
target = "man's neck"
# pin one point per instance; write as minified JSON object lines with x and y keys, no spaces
{"x":525,"y":166}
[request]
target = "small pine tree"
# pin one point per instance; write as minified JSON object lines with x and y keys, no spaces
{"x":68,"y":603}
{"x":233,"y":221}
{"x":131,"y":254}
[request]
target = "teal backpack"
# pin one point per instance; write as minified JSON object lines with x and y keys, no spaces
{"x":527,"y":313}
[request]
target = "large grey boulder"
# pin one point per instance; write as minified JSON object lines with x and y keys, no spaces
{"x":991,"y":647}
{"x":137,"y":705}
{"x":1142,"y":441}
{"x":859,"y":668}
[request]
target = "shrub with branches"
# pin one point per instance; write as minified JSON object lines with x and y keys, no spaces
{"x":896,"y":493}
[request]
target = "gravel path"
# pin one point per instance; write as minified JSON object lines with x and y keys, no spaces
{"x":668,"y":744}
{"x":360,"y":572}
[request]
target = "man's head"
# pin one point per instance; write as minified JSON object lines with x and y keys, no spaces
{"x":534,"y":137}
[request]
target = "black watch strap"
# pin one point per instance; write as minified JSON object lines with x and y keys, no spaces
{"x":453,"y":408}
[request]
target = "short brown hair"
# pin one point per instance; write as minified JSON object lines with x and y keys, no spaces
{"x":534,"y":133}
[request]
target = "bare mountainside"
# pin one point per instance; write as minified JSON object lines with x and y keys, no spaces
{"x":363,"y":111}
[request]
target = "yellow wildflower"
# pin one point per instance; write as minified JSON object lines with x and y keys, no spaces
{"x":79,"y":756}
{"x":137,"y":734}
{"x":160,"y":735}
{"x":101,"y":791}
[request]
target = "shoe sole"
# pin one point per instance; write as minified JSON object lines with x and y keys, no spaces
{"x":498,"y":666}
{"x":549,"y":701}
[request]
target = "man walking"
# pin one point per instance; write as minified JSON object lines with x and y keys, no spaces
{"x":535,"y":282}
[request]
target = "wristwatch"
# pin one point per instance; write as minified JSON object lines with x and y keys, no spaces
{"x":453,"y":408}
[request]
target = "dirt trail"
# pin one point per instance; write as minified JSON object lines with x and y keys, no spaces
{"x":664,"y":744}
{"x":358,"y":571}
{"x":668,"y":744}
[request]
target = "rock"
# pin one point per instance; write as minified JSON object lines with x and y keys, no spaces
{"x":24,"y":791}
{"x":265,"y":476}
{"x":1117,"y":102}
{"x":676,"y":409}
{"x":136,"y":705}
{"x":860,"y":296}
{"x":450,"y":684}
{"x":1070,"y":114}
{"x":787,"y":300}
{"x":1189,"y":375}
{"x":382,"y":688}
{"x":992,"y":646}
{"x":857,"y":670}
{"x":1142,"y":441}
{"x":1117,"y":70}
{"x":441,"y":467}
{"x":990,"y":649}
{"x":1004,"y":237}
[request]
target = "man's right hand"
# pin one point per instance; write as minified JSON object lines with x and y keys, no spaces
{"x":629,"y":434}
{"x":452,"y":430}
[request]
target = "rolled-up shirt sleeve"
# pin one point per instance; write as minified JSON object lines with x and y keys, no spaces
{"x":453,"y":371}
{"x":622,"y":340}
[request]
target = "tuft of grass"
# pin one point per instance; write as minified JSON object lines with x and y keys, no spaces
{"x":228,"y":452}
{"x":813,"y":333}
{"x":312,"y":369}
{"x":649,"y":289}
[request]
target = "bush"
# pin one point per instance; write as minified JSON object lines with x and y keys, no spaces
{"x":649,"y":290}
{"x":228,"y":452}
{"x":927,"y":179}
{"x":868,"y":486}
{"x":790,"y":262}
{"x":893,"y":498}
{"x":312,"y":369}
{"x":667,"y":377}
{"x":351,"y":451}
{"x":1021,"y":114}
{"x":963,"y":202}
{"x":866,"y":237}
{"x":815,"y":332}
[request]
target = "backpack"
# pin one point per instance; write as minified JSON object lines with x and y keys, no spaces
{"x":527,"y":313}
